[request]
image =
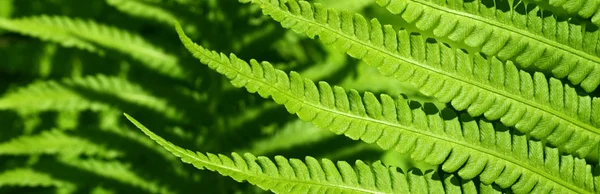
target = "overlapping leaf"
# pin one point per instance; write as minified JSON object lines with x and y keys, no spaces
{"x":561,"y":48}
{"x":544,"y":108}
{"x":457,"y":143}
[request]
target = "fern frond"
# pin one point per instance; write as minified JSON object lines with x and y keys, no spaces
{"x":70,"y":94}
{"x":313,"y":176}
{"x":587,"y":9}
{"x":115,"y":170}
{"x":457,"y":143}
{"x":144,"y":10}
{"x":88,"y":35}
{"x":55,"y":142}
{"x":545,"y":108}
{"x":24,"y":177}
{"x":542,"y":43}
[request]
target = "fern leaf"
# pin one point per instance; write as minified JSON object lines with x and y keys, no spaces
{"x":458,"y":143}
{"x":70,"y":94}
{"x":544,"y":108}
{"x":561,"y":48}
{"x":144,"y":10}
{"x":312,"y":176}
{"x":55,"y":142}
{"x":88,"y":35}
{"x":587,"y":9}
{"x":24,"y":177}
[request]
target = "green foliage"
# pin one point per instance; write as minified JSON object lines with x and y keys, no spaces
{"x":72,"y":68}
{"x":410,"y":96}
{"x":457,"y":143}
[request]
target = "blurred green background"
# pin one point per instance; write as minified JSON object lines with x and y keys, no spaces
{"x":70,"y":68}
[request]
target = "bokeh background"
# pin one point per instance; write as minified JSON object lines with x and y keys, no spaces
{"x":71,"y":68}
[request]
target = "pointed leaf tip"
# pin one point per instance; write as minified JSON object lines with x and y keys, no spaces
{"x":137,"y":123}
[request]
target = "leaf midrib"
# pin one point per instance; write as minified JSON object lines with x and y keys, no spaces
{"x":394,"y":125}
{"x":552,"y":43}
